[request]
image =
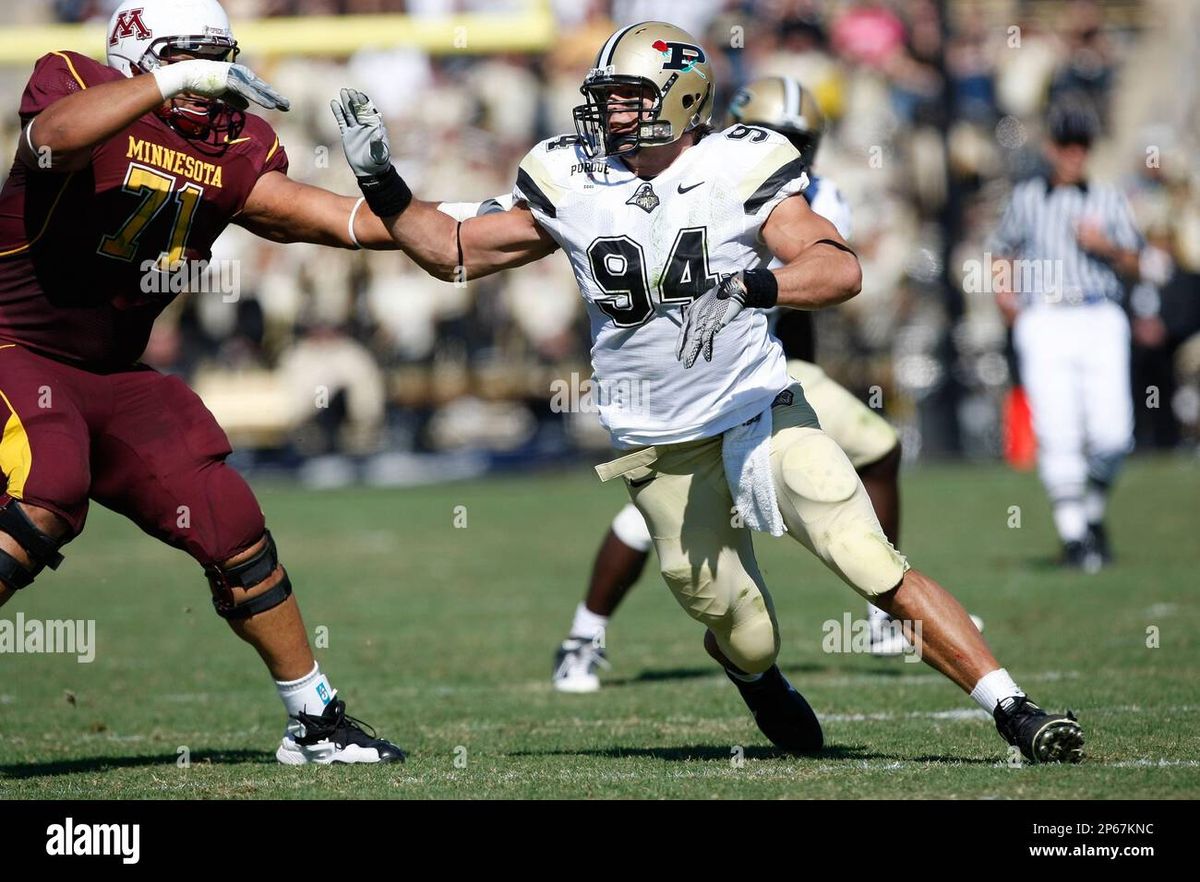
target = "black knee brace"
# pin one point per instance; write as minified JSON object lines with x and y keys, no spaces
{"x":222,"y":580}
{"x":41,"y":548}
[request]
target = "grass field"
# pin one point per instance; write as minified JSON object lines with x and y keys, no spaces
{"x":442,"y":638}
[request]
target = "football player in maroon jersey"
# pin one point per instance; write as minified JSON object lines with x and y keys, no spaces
{"x":123,"y":171}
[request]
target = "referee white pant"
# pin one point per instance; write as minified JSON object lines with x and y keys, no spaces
{"x":1075,"y":370}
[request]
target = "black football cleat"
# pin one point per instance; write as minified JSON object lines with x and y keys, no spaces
{"x":333,"y":737}
{"x":1097,"y":541}
{"x":1042,"y":737}
{"x":1081,"y":555}
{"x":781,"y":712}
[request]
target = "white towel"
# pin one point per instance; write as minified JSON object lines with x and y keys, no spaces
{"x":746,"y":453}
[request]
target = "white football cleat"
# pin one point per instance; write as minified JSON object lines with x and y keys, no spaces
{"x":333,"y":737}
{"x":575,"y":665}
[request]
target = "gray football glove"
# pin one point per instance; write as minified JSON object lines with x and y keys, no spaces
{"x":364,"y":137}
{"x":242,"y":85}
{"x":235,"y":83}
{"x":710,"y":312}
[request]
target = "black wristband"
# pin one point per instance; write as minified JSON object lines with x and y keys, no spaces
{"x":762,"y":288}
{"x":386,"y":193}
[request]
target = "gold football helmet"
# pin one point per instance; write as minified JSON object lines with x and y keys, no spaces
{"x":668,"y":66}
{"x":782,"y":105}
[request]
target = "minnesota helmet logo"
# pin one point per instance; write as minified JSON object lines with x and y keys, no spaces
{"x":682,"y":57}
{"x":129,"y":24}
{"x":645,"y":198}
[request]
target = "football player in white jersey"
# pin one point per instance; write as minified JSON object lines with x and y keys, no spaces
{"x":783,"y":105}
{"x":873,"y":446}
{"x":669,"y":228}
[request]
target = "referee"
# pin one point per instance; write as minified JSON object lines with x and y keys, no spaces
{"x":1073,"y":248}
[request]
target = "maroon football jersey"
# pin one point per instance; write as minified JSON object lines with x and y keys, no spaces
{"x":74,"y":247}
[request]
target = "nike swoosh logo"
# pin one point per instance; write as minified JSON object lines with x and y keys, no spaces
{"x":682,"y":189}
{"x":642,"y":482}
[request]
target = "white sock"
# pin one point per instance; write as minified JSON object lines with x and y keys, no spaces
{"x":309,"y":694}
{"x":1070,"y":520}
{"x":587,"y":625}
{"x":994,"y":688}
{"x":1095,"y":501}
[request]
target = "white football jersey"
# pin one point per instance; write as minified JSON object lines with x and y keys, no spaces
{"x":642,"y":250}
{"x":460,"y":211}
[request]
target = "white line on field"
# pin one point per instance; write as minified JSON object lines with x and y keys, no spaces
{"x":1160,"y":610}
{"x":1151,"y":763}
{"x":961,"y":713}
{"x":980,"y":714}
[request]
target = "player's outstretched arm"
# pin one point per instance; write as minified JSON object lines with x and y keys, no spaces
{"x":819,"y":269}
{"x":284,"y":210}
{"x":71,"y":126}
{"x":434,"y":240}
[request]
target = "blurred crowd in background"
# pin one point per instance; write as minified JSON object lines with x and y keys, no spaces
{"x":935,"y":109}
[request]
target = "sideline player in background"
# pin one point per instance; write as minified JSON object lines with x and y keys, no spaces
{"x":873,"y":446}
{"x":123,"y":172}
{"x":1072,"y":335}
{"x":646,"y":190}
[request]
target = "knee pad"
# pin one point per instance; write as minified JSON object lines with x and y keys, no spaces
{"x":878,"y":450}
{"x":752,"y":643}
{"x":815,"y":469}
{"x":729,"y":603}
{"x":630,"y":527}
{"x":41,"y":548}
{"x":248,"y":575}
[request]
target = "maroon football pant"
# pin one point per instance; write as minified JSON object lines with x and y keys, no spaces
{"x":138,"y":442}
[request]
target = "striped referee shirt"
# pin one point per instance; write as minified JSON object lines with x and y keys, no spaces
{"x":1038,"y":229}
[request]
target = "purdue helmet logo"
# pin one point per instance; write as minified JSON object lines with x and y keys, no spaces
{"x":682,"y":57}
{"x":129,"y":24}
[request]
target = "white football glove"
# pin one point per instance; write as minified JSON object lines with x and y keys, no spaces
{"x":708,"y":313}
{"x":364,"y":136}
{"x":235,"y":83}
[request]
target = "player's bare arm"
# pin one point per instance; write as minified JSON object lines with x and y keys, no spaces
{"x":70,"y":127}
{"x":434,"y":240}
{"x":819,"y":268}
{"x":285,"y":210}
{"x":499,"y":241}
